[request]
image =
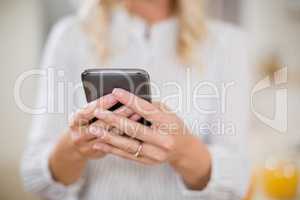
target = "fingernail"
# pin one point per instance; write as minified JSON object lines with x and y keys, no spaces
{"x":100,"y":114}
{"x":117,"y":92}
{"x":97,"y":131}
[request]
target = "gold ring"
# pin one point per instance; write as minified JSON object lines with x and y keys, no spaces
{"x":139,"y":150}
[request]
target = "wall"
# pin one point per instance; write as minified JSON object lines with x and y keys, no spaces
{"x":20,"y":42}
{"x":274,"y":25}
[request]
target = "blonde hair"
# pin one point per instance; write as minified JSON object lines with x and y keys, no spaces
{"x":96,"y":15}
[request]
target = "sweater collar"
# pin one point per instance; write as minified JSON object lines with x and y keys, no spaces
{"x":160,"y":37}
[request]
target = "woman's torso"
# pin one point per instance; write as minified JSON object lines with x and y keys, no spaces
{"x":116,"y":178}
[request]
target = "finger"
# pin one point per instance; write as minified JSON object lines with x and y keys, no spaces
{"x":135,"y":117}
{"x":82,"y":135}
{"x":118,"y":152}
{"x":161,"y":106}
{"x":98,"y":126}
{"x":124,"y":111}
{"x":131,"y":146}
{"x":137,"y":104}
{"x":125,"y":143}
{"x":132,"y":128}
{"x":83,"y":116}
{"x":88,"y":150}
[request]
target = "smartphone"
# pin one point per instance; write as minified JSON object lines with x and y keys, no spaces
{"x":100,"y":82}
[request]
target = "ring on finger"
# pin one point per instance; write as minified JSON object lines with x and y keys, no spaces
{"x":139,"y":150}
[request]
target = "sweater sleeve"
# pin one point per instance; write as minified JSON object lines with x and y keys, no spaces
{"x":49,"y":124}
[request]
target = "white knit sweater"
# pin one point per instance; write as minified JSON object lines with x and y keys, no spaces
{"x":224,"y":59}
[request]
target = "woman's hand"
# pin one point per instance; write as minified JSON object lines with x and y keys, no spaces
{"x":80,"y":137}
{"x":167,"y":140}
{"x":75,"y":148}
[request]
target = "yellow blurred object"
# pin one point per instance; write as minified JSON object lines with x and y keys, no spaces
{"x":280,"y":180}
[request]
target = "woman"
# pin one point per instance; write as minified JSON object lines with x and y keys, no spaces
{"x":199,"y":70}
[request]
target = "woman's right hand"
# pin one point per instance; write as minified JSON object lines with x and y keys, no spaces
{"x":80,"y":136}
{"x":75,"y":148}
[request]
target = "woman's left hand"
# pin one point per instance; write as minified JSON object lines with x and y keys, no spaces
{"x":167,"y":140}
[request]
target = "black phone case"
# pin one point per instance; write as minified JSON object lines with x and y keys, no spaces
{"x":100,"y":82}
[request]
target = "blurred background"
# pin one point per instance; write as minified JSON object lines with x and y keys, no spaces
{"x":274,"y":25}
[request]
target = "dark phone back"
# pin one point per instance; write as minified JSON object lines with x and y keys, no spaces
{"x":100,"y":82}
